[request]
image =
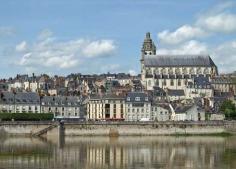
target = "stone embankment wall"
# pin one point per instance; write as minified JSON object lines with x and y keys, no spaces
{"x":120,"y":129}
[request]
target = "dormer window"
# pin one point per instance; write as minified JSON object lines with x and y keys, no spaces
{"x":137,"y":98}
{"x":146,"y":98}
{"x":128,"y":98}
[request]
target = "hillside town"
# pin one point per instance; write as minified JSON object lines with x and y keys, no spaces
{"x":168,"y":88}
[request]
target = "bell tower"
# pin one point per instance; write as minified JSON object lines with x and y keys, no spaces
{"x":148,"y":48}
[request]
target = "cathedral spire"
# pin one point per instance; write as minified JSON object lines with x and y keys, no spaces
{"x":148,"y":36}
{"x":148,"y":47}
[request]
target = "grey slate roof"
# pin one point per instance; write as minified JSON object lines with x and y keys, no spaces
{"x":176,"y":92}
{"x":224,"y":80}
{"x":63,"y":101}
{"x":178,"y":60}
{"x":20,"y":98}
{"x":200,"y":82}
{"x":133,"y":95}
{"x":182,"y":109}
{"x":106,"y":97}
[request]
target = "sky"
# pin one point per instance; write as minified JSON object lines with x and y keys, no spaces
{"x":86,"y":36}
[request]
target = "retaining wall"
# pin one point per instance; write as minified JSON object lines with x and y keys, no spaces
{"x":120,"y":128}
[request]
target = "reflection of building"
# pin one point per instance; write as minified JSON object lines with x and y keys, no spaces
{"x":172,"y":71}
{"x":104,"y":156}
{"x":122,"y":152}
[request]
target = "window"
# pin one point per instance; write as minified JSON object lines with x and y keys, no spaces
{"x":172,"y":82}
{"x":149,"y":82}
{"x":179,"y":82}
{"x":146,"y":98}
{"x":137,"y":98}
{"x":128,"y":98}
{"x":164,"y":83}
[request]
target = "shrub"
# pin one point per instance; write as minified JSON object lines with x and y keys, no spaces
{"x":26,"y":116}
{"x":229,"y":109}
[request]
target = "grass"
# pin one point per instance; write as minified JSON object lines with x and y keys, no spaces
{"x":222,"y":134}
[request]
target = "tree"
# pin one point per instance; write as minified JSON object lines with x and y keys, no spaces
{"x":229,"y":109}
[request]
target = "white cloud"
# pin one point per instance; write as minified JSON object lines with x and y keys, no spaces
{"x":6,"y":31}
{"x":132,"y":72}
{"x":218,"y":19}
{"x":51,"y":53}
{"x":190,"y":47}
{"x":225,"y":56}
{"x":222,"y":22}
{"x":110,"y":68}
{"x":44,"y":34}
{"x":97,"y":48}
{"x":21,"y":46}
{"x":183,"y":33}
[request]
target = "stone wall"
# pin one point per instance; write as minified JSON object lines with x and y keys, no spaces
{"x":116,"y":129}
{"x":139,"y":130}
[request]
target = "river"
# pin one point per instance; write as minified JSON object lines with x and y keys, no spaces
{"x":200,"y":152}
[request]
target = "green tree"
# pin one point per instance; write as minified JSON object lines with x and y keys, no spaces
{"x":229,"y":109}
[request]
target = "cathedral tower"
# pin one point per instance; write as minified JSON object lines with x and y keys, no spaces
{"x":148,"y":48}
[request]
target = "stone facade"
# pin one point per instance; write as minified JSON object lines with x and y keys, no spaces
{"x":138,"y":106}
{"x":62,"y":106}
{"x":107,"y":107}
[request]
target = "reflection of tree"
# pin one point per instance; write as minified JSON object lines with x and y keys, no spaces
{"x":229,"y":157}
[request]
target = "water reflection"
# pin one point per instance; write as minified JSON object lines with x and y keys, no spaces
{"x":118,"y":153}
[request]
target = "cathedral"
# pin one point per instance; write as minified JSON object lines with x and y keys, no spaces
{"x":172,"y":71}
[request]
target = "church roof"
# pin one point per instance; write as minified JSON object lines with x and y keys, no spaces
{"x":178,"y":60}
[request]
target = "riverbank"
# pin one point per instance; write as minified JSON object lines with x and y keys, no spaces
{"x":49,"y":128}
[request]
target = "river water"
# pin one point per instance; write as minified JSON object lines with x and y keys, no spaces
{"x":200,"y":152}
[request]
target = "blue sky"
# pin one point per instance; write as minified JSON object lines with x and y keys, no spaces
{"x":62,"y":37}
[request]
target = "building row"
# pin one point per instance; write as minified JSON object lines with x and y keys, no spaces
{"x":135,"y":106}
